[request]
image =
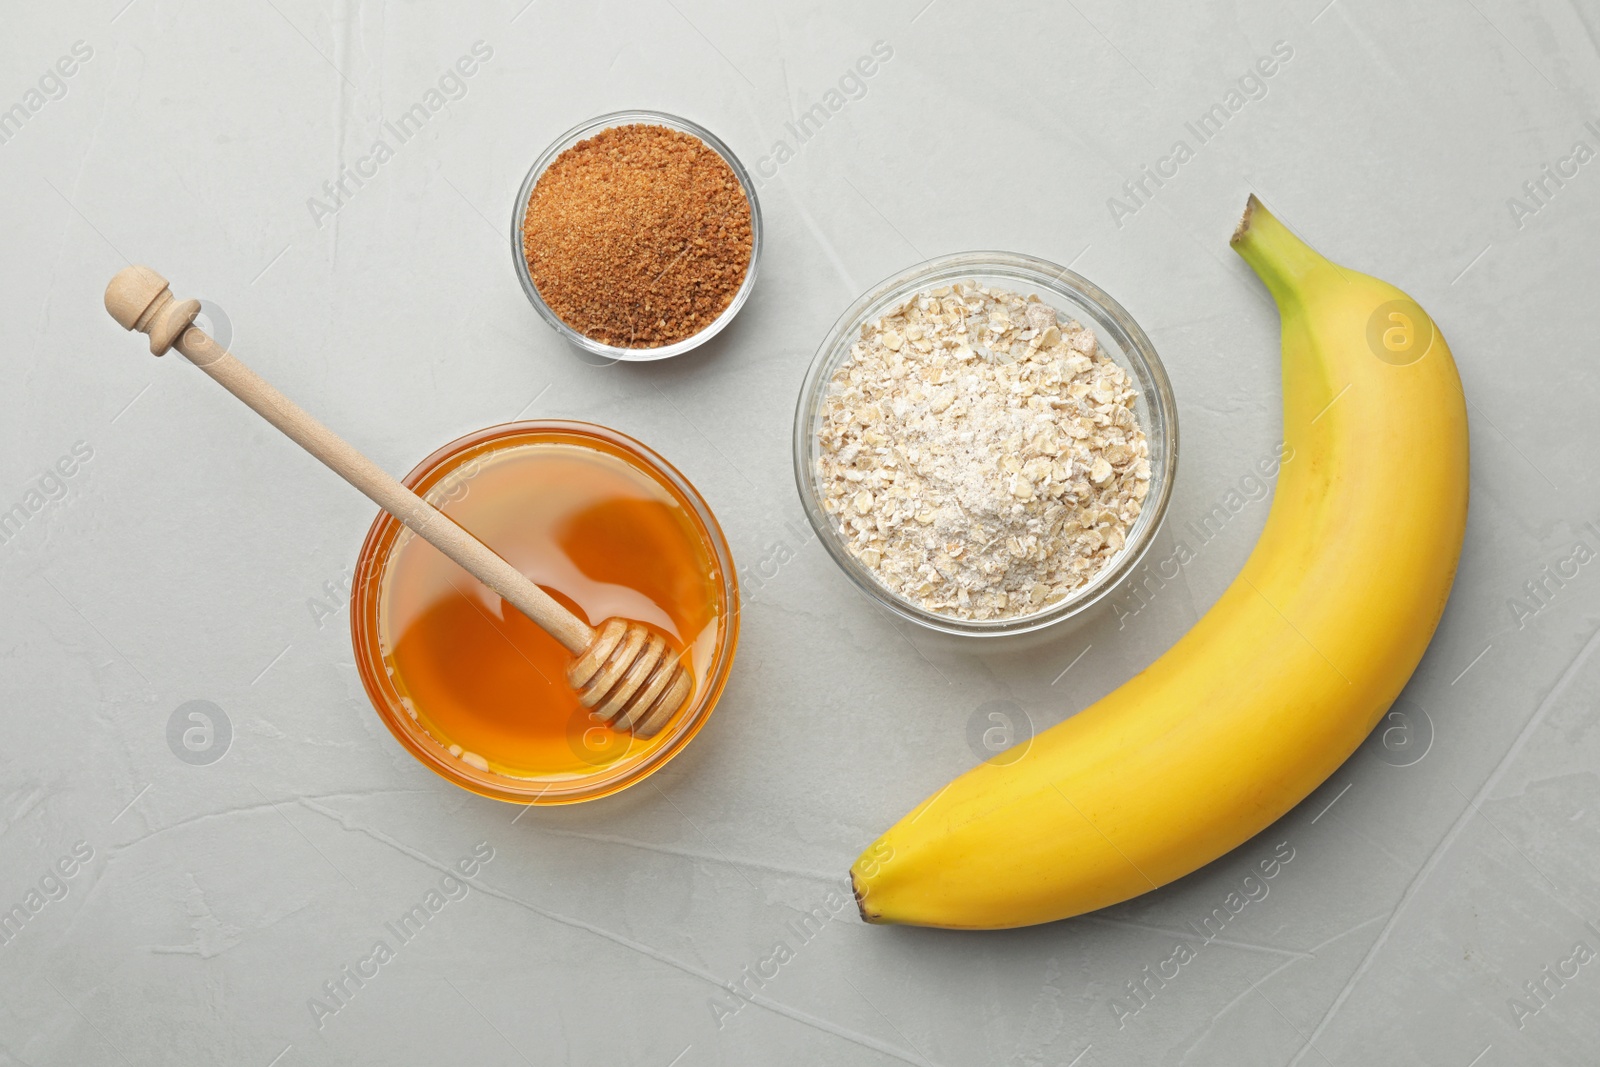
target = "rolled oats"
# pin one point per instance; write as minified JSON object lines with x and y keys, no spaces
{"x":979,"y":456}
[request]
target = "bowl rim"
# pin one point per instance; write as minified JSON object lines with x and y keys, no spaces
{"x":366,"y":585}
{"x":1138,"y":355}
{"x":589,"y":128}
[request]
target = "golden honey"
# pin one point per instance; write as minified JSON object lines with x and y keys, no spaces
{"x":476,"y":689}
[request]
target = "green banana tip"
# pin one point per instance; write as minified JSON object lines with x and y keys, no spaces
{"x":1280,"y":258}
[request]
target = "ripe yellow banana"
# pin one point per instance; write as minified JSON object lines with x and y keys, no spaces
{"x":1276,"y":685}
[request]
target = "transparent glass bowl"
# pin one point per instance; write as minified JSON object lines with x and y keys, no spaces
{"x":368,"y":602}
{"x":589,"y":129}
{"x":1074,"y":297}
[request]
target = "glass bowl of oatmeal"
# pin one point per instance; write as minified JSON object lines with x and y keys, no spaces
{"x":986,"y":444}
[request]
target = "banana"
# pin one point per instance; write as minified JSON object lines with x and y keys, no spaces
{"x":1276,"y":685}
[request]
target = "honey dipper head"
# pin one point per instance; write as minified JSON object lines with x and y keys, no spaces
{"x":138,"y":298}
{"x":630,"y":677}
{"x":131,"y":293}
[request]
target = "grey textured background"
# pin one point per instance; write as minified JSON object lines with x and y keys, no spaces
{"x":181,"y":559}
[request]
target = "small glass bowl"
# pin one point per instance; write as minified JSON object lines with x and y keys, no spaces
{"x":1068,"y":293}
{"x":588,"y":129}
{"x":368,"y":601}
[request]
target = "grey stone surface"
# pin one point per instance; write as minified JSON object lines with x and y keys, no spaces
{"x":1429,"y":883}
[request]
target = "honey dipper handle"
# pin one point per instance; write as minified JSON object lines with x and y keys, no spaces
{"x":134,"y":299}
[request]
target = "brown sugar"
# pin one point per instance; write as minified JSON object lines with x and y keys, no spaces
{"x":638,"y":237}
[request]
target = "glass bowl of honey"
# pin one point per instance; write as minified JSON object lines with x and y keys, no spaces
{"x":475,"y":690}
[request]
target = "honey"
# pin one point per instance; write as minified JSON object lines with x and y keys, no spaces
{"x":600,"y":524}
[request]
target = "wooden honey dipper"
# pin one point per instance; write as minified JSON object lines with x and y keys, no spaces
{"x":623,"y":671}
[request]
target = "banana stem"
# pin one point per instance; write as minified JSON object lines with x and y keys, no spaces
{"x":1282,"y":260}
